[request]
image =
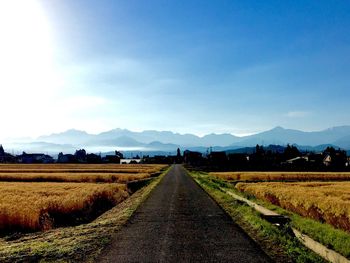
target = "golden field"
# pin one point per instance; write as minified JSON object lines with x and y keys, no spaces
{"x":326,"y":202}
{"x":283,"y":176}
{"x":43,"y":196}
{"x":41,"y":206}
{"x":72,"y":177}
{"x":81,"y":168}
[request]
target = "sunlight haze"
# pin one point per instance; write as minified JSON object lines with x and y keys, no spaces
{"x":236,"y":67}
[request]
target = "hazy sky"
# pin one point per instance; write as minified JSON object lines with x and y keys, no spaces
{"x":186,"y":66}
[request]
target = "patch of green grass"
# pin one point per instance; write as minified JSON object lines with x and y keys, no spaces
{"x":335,"y":239}
{"x":81,"y":243}
{"x":280,"y":246}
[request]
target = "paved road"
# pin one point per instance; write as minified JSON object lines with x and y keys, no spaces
{"x":179,"y":222}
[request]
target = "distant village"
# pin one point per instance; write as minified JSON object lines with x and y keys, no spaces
{"x":270,"y":158}
{"x":80,"y":156}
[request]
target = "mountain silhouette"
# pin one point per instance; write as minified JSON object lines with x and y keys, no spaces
{"x":169,"y":141}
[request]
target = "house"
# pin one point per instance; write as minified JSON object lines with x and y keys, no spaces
{"x":347,"y":164}
{"x":297,"y":163}
{"x":327,"y":160}
{"x":298,"y":160}
{"x":130,"y":161}
{"x":113,"y":158}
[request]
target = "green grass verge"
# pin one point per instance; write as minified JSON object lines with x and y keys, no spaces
{"x":280,"y":246}
{"x":81,"y":243}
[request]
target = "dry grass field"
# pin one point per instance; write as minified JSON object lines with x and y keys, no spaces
{"x":326,"y":202}
{"x":40,"y":197}
{"x":42,"y":206}
{"x":282,"y":176}
{"x":80,"y":168}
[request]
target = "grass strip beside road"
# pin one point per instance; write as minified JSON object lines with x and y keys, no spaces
{"x":274,"y":241}
{"x":82,"y":243}
{"x":331,"y":237}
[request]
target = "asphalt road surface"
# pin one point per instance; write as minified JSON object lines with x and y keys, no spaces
{"x":179,"y":222}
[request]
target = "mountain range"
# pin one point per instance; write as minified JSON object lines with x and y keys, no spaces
{"x":167,"y":141}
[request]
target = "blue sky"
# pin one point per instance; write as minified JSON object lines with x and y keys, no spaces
{"x":187,"y":66}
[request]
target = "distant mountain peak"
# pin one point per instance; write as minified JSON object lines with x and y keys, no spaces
{"x":75,"y":131}
{"x":278,"y":128}
{"x":67,"y":132}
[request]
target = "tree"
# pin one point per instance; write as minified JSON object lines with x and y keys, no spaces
{"x":178,"y":152}
{"x":259,"y":150}
{"x":2,"y":152}
{"x":80,"y":155}
{"x":338,"y":157}
{"x":291,"y":152}
{"x":178,"y":156}
{"x":119,"y":155}
{"x":60,"y":157}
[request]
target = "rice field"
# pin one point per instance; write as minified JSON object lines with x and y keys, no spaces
{"x":81,"y":168}
{"x":43,"y":196}
{"x":110,"y":173}
{"x":323,"y":201}
{"x":42,"y":206}
{"x":282,"y":176}
{"x":73,"y":177}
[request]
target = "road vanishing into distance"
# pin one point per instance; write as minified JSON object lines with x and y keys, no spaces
{"x":179,"y":222}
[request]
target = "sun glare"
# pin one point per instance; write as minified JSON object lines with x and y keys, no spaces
{"x":28,"y":79}
{"x":26,"y":65}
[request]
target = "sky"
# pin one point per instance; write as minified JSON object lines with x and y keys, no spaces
{"x":193,"y":66}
